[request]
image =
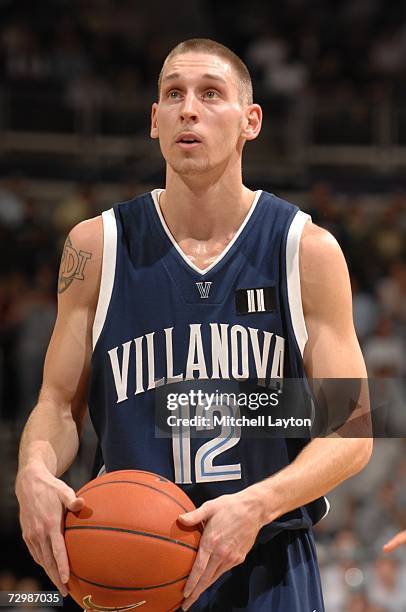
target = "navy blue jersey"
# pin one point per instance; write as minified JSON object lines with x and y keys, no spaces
{"x":160,"y":318}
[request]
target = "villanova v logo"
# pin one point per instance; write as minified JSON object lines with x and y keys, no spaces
{"x":204,"y":289}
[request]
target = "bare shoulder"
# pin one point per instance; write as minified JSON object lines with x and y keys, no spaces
{"x":323,"y":269}
{"x":81,"y":261}
{"x":318,"y":247}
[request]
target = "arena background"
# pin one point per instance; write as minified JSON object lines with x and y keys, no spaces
{"x":76,"y":82}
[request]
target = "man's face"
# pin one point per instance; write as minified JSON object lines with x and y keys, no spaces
{"x":199,"y":118}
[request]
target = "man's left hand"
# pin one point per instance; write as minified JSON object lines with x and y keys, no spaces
{"x":231,"y":525}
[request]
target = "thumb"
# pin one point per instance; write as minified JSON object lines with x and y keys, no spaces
{"x":70,"y":501}
{"x":195,"y":516}
{"x":76,"y":505}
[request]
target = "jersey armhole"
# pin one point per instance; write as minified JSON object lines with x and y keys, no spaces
{"x":328,"y":506}
{"x":295,"y":294}
{"x":108,"y":272}
{"x":293,"y":278}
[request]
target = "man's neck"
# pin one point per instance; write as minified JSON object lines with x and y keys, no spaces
{"x":205,"y":212}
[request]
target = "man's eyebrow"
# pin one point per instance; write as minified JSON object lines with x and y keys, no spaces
{"x":176,"y":75}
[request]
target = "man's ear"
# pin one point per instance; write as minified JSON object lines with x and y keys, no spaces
{"x":252,"y":121}
{"x":154,"y":124}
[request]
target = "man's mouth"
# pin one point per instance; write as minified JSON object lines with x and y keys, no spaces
{"x":187,"y":140}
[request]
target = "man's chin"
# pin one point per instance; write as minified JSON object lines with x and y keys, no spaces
{"x":190,"y":167}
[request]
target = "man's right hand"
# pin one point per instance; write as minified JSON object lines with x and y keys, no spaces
{"x":43,"y":500}
{"x":50,"y":440}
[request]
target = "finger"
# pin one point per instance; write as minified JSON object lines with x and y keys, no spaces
{"x":50,"y":567}
{"x":35,"y":551}
{"x":70,"y":501}
{"x":206,"y":579}
{"x":76,"y":505}
{"x":191,"y":600}
{"x":220,"y":571}
{"x":398,"y":540}
{"x":69,"y":498}
{"x":60,"y":555}
{"x":195,"y":516}
{"x":199,"y":566}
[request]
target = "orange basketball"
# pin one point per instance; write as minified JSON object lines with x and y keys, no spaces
{"x":126,"y":548}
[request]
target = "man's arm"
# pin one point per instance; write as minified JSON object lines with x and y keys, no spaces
{"x":50,"y":439}
{"x":332,"y":351}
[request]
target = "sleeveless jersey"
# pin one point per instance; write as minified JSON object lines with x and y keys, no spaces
{"x":160,"y":318}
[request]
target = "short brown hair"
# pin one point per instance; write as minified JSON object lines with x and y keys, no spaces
{"x":206,"y":45}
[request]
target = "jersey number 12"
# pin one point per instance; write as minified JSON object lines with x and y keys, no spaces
{"x":205,"y":470}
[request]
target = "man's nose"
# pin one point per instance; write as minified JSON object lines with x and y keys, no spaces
{"x":189,"y":108}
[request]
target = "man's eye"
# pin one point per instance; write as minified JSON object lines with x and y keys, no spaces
{"x":173,"y":94}
{"x":211,"y":94}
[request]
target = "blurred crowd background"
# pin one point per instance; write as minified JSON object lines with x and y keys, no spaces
{"x":76,"y":82}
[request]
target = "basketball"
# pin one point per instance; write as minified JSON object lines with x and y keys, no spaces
{"x":126,"y":548}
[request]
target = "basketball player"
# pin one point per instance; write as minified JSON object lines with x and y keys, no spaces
{"x":202,"y":279}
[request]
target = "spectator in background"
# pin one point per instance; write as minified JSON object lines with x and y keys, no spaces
{"x":126,"y":114}
{"x":365,"y":310}
{"x":388,"y":239}
{"x":24,"y":60}
{"x":8,"y":581}
{"x":385,"y":585}
{"x":12,"y":202}
{"x":69,"y":58}
{"x":391,"y":292}
{"x":387,"y":51}
{"x":8,"y":584}
{"x":378,"y":514}
{"x":359,"y":602}
{"x":76,"y":207}
{"x":34,"y":244}
{"x":287,"y":80}
{"x":12,"y":289}
{"x":384,"y":352}
{"x":323,"y":207}
{"x":398,"y":199}
{"x":343,"y":558}
{"x":267,"y":52}
{"x":36,"y":313}
{"x":87,"y":95}
{"x":400,"y":478}
{"x":358,"y":222}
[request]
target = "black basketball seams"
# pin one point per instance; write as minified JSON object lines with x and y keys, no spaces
{"x":132,"y":532}
{"x":120,"y":588}
{"x":135,"y":482}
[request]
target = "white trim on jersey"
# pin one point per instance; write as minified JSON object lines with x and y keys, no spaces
{"x":101,"y":471}
{"x":155,"y":196}
{"x":293,"y":278}
{"x":328,"y":506}
{"x":294,"y":289}
{"x":108,"y":272}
